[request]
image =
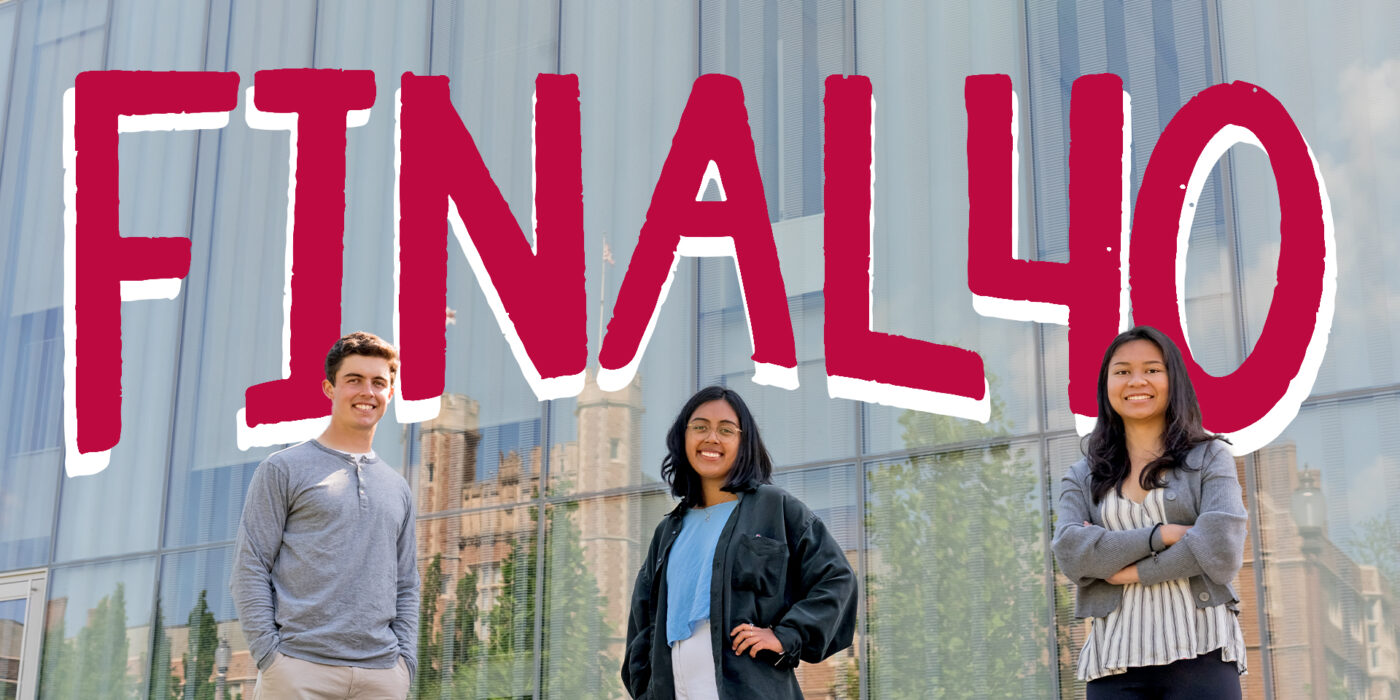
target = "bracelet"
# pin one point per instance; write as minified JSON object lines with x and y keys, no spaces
{"x":1150,"y":535}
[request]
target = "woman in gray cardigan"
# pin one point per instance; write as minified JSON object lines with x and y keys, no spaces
{"x":1151,"y":528}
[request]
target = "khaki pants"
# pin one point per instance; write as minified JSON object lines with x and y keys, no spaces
{"x":288,"y":677}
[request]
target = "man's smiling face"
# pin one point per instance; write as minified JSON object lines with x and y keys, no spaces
{"x":361,"y":393}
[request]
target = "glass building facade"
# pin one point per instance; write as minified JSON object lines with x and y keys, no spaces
{"x":533,"y":517}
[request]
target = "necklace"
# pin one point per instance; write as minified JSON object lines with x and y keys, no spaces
{"x":708,"y":510}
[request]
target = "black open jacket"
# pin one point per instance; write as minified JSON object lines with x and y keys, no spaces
{"x":777,"y":566}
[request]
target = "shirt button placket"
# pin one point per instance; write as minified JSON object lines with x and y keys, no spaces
{"x":360,"y":478}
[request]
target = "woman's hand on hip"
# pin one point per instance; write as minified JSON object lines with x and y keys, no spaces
{"x":754,"y":639}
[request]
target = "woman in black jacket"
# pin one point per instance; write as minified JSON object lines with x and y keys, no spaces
{"x":742,"y":581}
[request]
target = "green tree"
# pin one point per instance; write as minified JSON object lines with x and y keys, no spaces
{"x":460,"y":647}
{"x":576,"y":662}
{"x":958,"y":606}
{"x":452,"y":656}
{"x":466,"y":647}
{"x":164,"y":684}
{"x":427,"y":682}
{"x":204,"y":642}
{"x":56,"y":678}
{"x":92,"y":666}
{"x":510,"y":641}
{"x":849,"y":682}
{"x":1067,"y":648}
{"x":102,"y":650}
{"x":1374,"y":545}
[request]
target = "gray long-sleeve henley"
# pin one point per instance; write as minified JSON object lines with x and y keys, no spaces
{"x":325,"y":565}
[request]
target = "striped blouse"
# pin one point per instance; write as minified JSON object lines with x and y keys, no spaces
{"x":1158,"y":624}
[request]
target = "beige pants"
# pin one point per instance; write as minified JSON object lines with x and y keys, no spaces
{"x":288,"y":677}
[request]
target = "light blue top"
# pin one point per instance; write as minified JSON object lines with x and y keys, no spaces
{"x":689,"y":567}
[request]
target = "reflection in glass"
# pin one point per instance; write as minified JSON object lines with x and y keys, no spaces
{"x":798,"y":426}
{"x":1341,"y":93}
{"x":1327,"y":504}
{"x":231,"y":332}
{"x":96,"y":631}
{"x":605,"y":452}
{"x":1069,"y":630}
{"x":477,"y":616}
{"x":205,"y":504}
{"x":32,"y":416}
{"x":587,"y":592}
{"x":465,"y":465}
{"x":152,"y":204}
{"x":918,"y":55}
{"x":11,"y":645}
{"x":194,"y":618}
{"x":831,"y":494}
{"x":634,"y":87}
{"x":956,"y":585}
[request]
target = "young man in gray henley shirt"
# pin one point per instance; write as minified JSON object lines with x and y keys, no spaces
{"x":325,"y":575}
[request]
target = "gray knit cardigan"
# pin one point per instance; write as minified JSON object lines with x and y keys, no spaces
{"x":1206,"y":496}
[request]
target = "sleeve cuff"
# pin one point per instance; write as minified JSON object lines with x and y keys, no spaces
{"x":265,"y":658}
{"x":792,"y":646}
{"x":1171,"y":563}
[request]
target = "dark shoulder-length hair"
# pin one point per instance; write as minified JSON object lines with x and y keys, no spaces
{"x":1106,"y":447}
{"x":752,"y":465}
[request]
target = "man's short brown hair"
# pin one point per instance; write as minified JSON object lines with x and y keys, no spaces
{"x":361,"y":343}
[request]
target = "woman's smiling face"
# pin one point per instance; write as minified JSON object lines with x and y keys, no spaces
{"x":1138,"y":385}
{"x":712,"y":440}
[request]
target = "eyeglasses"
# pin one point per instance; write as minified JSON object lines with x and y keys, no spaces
{"x":725,"y":431}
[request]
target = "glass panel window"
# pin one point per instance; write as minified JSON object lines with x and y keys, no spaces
{"x":97,"y":631}
{"x":207,"y":494}
{"x":31,"y":463}
{"x":781,"y":51}
{"x":1329,"y":501}
{"x":831,"y":493}
{"x":956,"y":585}
{"x":1341,"y":94}
{"x":1164,"y":54}
{"x":476,"y":633}
{"x":797,"y":426}
{"x":198,"y":649}
{"x":151,"y":206}
{"x":232,"y":328}
{"x":12,"y":615}
{"x":9,"y":26}
{"x":596,"y":546}
{"x":633,"y":89}
{"x":1070,"y":631}
{"x":918,"y":56}
{"x":43,"y":48}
